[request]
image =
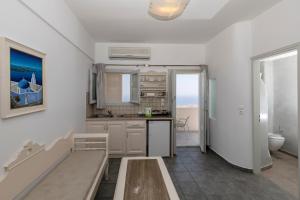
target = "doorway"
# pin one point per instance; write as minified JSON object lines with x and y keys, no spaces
{"x":275,"y":118}
{"x":187,"y":110}
{"x":189,"y":107}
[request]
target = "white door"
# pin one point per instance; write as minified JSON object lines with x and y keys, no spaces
{"x":203,"y":109}
{"x":203,"y":99}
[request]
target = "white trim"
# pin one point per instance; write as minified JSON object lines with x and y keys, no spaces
{"x":276,"y":52}
{"x":255,"y":117}
{"x":298,"y":85}
{"x":120,"y":188}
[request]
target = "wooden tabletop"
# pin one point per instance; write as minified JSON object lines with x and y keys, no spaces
{"x":144,"y":178}
{"x":144,"y":181}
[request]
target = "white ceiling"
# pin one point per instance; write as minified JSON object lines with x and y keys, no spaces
{"x":128,"y":20}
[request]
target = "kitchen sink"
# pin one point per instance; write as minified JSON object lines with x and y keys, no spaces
{"x":128,"y":115}
{"x":102,"y":116}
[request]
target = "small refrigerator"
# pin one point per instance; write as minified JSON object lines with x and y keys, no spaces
{"x":159,"y":138}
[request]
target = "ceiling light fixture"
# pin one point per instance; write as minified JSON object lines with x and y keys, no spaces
{"x":167,"y":9}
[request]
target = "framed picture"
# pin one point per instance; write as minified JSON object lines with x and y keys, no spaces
{"x":22,"y":72}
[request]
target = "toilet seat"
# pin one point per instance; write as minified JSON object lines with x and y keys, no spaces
{"x":275,"y":136}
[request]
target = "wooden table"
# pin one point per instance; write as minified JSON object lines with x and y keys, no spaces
{"x":144,"y":178}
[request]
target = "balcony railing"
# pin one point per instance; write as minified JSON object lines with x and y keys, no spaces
{"x":182,"y":112}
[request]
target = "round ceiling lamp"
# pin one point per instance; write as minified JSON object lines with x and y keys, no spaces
{"x":167,"y":9}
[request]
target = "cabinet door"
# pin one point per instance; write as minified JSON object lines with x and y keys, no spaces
{"x":116,"y":138}
{"x":136,"y":141}
{"x":96,"y":127}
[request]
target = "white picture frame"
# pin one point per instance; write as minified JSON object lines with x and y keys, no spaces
{"x":25,"y":95}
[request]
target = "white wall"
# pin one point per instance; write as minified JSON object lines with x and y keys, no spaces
{"x":228,"y":58}
{"x":58,"y":14}
{"x":276,"y":28}
{"x":162,"y":54}
{"x":66,"y":72}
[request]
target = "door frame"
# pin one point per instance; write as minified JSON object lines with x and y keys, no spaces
{"x":204,"y":104}
{"x":256,"y":130}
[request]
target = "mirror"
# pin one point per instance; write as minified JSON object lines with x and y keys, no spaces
{"x":121,"y":87}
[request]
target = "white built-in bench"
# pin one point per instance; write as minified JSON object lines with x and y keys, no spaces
{"x":78,"y":176}
{"x":71,"y":168}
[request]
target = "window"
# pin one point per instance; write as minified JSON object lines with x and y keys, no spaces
{"x":121,"y":87}
{"x":212,"y":99}
{"x":125,"y":88}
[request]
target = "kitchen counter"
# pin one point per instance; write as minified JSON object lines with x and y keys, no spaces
{"x":100,"y":123}
{"x":133,"y":117}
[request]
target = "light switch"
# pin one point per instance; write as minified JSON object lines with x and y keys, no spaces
{"x":241,"y":110}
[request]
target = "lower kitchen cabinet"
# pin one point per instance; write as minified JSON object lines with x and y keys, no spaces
{"x":136,"y":142}
{"x":116,"y":138}
{"x":125,"y":137}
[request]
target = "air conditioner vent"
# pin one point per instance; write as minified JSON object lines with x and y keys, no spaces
{"x":129,"y":52}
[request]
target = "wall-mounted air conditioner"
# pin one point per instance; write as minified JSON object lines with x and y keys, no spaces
{"x":129,"y":53}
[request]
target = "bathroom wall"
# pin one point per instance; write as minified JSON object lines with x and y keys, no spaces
{"x":282,"y":100}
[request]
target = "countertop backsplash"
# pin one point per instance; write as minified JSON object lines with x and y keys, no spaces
{"x":131,"y":108}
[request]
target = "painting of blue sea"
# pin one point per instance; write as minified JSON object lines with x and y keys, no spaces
{"x":26,"y":79}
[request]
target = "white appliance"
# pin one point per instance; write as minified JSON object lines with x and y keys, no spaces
{"x":129,"y":53}
{"x":159,"y":133}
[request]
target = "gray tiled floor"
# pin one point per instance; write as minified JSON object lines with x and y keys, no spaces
{"x":284,"y":172}
{"x":206,"y":176}
{"x":187,"y":138}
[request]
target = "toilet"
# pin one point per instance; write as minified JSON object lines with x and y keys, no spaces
{"x":275,"y":141}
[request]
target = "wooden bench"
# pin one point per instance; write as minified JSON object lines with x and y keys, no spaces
{"x":76,"y":177}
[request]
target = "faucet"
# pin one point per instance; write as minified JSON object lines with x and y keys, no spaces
{"x":109,"y":112}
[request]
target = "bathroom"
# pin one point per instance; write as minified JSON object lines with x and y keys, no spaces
{"x":279,"y":114}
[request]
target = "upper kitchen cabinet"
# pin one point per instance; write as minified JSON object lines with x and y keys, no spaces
{"x":122,"y":87}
